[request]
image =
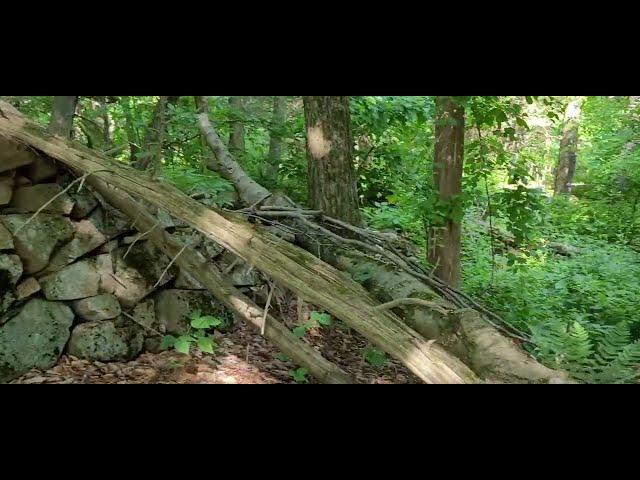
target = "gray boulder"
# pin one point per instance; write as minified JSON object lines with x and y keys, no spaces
{"x":78,"y":280}
{"x":100,"y":307}
{"x":30,"y":199}
{"x":34,"y":338}
{"x":105,"y":341}
{"x":35,"y":242}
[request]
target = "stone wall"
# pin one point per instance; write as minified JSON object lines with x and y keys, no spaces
{"x":74,"y":279}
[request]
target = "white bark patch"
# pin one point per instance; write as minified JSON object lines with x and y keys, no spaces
{"x":319,"y":146}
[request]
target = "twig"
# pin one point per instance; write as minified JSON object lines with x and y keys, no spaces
{"x":435,"y":267}
{"x":115,"y":150}
{"x":139,"y":237}
{"x":412,"y":301}
{"x":186,"y":244}
{"x":266,"y":310}
{"x":457,"y":297}
{"x":142,"y":324}
{"x":55,"y":197}
{"x":231,"y":267}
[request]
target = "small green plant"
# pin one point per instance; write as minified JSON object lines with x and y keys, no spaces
{"x":300,"y":375}
{"x":613,"y":358}
{"x":197,"y":334}
{"x":317,"y":320}
{"x":282,"y":357}
{"x":374,"y":357}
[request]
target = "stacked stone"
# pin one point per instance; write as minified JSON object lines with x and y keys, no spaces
{"x":76,"y":278}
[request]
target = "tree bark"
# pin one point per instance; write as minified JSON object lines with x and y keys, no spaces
{"x":444,"y":240}
{"x":332,"y":179}
{"x":485,"y":348}
{"x":568,"y":156}
{"x":275,"y":143}
{"x":206,"y":273}
{"x":151,"y":156}
{"x":292,"y":267}
{"x":250,"y":191}
{"x":133,"y":137}
{"x":236,"y":137}
{"x":61,"y":121}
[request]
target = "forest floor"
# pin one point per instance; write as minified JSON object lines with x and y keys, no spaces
{"x":242,"y":357}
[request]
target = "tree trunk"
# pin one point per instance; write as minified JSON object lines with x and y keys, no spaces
{"x":332,"y":180}
{"x":61,"y":121}
{"x":250,"y":191}
{"x":236,"y":137}
{"x":189,"y":260}
{"x":151,"y":156}
{"x":482,"y":346}
{"x":444,"y":240}
{"x":290,"y":266}
{"x":568,"y":148}
{"x":278,"y":122}
{"x":133,"y":137}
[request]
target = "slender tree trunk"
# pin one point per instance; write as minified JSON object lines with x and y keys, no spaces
{"x":275,"y":144}
{"x":133,"y":136}
{"x":61,"y":121}
{"x":250,"y":191}
{"x":568,"y":148}
{"x":332,"y":179}
{"x":444,"y":240}
{"x":151,"y":157}
{"x":236,"y":137}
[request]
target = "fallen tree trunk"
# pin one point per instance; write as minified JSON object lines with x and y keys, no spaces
{"x":467,"y":334}
{"x":292,"y":267}
{"x":189,"y":260}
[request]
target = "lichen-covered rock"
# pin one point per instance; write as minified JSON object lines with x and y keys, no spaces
{"x":86,"y":238}
{"x":6,"y":240}
{"x":138,"y":271}
{"x":34,"y":338}
{"x":78,"y":280}
{"x":41,"y":169}
{"x":35,"y":242}
{"x":27,"y":288}
{"x":105,"y":341}
{"x":241,"y":273}
{"x":145,"y":313}
{"x":30,"y":199}
{"x":6,"y":188}
{"x":174,"y":307}
{"x":10,"y":271}
{"x":84,"y":203}
{"x":100,"y":307}
{"x":110,"y":222}
{"x":14,"y":155}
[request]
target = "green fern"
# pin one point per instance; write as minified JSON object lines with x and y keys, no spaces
{"x":592,"y":357}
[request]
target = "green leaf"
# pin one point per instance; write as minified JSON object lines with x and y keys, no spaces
{"x":207,"y":321}
{"x":168,"y":341}
{"x":374,"y":356}
{"x":282,"y":357}
{"x":321,"y":318}
{"x":300,"y":375}
{"x":206,"y":344}
{"x":300,"y":331}
{"x":195,"y":314}
{"x":183,"y":344}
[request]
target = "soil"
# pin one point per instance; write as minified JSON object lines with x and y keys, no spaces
{"x":242,"y":357}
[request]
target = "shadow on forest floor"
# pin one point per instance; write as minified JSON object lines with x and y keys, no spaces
{"x":242,"y":357}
